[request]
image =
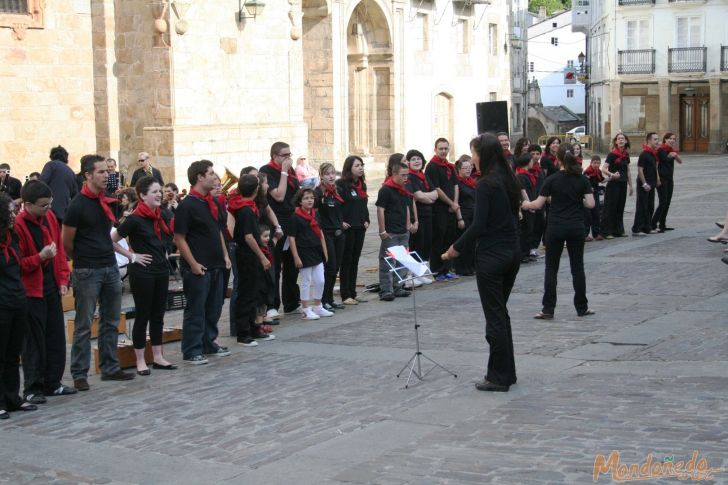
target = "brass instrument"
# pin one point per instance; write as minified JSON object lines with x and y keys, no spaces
{"x":228,"y":181}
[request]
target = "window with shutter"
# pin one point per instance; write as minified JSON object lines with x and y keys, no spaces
{"x":689,"y":32}
{"x":14,"y":6}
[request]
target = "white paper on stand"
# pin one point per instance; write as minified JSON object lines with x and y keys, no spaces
{"x":403,"y":257}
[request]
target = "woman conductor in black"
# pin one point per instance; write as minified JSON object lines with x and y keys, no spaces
{"x":497,"y":255}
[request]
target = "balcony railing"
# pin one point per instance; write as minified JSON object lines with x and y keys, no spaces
{"x":636,"y":2}
{"x":724,"y":58}
{"x":640,"y":61}
{"x":686,"y":59}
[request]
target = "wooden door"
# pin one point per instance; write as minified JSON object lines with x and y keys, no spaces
{"x":694,"y":123}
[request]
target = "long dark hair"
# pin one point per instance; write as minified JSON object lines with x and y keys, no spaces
{"x":5,"y":202}
{"x":521,"y":144}
{"x":495,"y":169}
{"x":346,"y":170}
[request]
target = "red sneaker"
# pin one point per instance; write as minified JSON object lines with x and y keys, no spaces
{"x":266,"y":329}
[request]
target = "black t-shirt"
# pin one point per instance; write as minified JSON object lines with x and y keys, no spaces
{"x":548,"y":165}
{"x":466,"y":200}
{"x":283,"y":210}
{"x":92,"y":246}
{"x":12,"y":292}
{"x":11,"y":186}
{"x":143,"y":240}
{"x":567,"y":195}
{"x":494,"y":224}
{"x":648,"y":162}
{"x":526,"y":185}
{"x":395,"y":209}
{"x":413,"y":185}
{"x":355,"y":211}
{"x":49,"y":279}
{"x":202,"y":233}
{"x":308,"y":245}
{"x":440,"y":180}
{"x":622,"y":167}
{"x":246,"y":223}
{"x":666,"y":167}
{"x":330,"y":210}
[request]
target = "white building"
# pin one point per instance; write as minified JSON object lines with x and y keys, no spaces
{"x":657,"y":65}
{"x":553,"y":56}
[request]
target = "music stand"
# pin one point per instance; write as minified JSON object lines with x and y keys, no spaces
{"x":416,"y":360}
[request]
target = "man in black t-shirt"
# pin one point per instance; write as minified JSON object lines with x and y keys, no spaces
{"x":282,"y":186}
{"x":145,"y":169}
{"x":87,"y":240}
{"x":9,"y":185}
{"x":199,"y":222}
{"x":649,"y":180}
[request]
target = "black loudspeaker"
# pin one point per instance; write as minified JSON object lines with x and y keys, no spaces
{"x":492,"y":116}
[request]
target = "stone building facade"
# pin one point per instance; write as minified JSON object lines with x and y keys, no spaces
{"x":190,"y":79}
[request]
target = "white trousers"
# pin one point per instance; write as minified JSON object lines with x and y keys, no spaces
{"x":312,"y":282}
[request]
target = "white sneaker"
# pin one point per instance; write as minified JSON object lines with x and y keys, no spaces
{"x":309,"y":314}
{"x":413,"y":282}
{"x":424,"y":280}
{"x":272,"y":314}
{"x":320,"y":311}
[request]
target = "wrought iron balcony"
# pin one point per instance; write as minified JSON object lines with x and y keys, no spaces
{"x":639,"y":61}
{"x":724,"y":58}
{"x":687,"y":59}
{"x":14,"y":6}
{"x":636,"y":2}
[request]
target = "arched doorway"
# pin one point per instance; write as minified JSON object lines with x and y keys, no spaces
{"x":369,"y":55}
{"x":443,"y":119}
{"x":535,"y":128}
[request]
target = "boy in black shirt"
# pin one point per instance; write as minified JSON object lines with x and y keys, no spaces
{"x":393,"y":216}
{"x":528,"y":181}
{"x":649,"y":180}
{"x":199,"y":222}
{"x":87,"y":240}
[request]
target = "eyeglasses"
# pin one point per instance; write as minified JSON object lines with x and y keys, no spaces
{"x":284,"y":155}
{"x":142,"y":160}
{"x":43,"y":206}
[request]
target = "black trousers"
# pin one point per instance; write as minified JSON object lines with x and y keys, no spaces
{"x":574,"y":237}
{"x":286,"y":273}
{"x":615,"y":197}
{"x":539,"y":225}
{"x":13,"y":326}
{"x":644,"y":210}
{"x":465,"y":263}
{"x":526,"y":232}
{"x":664,"y":194}
{"x":421,"y":241}
{"x":150,"y":301}
{"x":334,"y":250}
{"x":592,"y":218}
{"x":496,"y":273}
{"x":444,"y":225}
{"x":353,"y":244}
{"x":44,"y":351}
{"x":247,"y":298}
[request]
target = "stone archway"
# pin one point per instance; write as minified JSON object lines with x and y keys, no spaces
{"x":535,"y":128}
{"x":371,"y":93}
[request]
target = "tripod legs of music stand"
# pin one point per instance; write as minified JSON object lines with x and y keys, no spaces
{"x":415,"y":360}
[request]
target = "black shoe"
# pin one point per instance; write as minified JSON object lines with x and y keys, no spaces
{"x":144,"y":372}
{"x":717,"y":224}
{"x":337,"y":306}
{"x":119,"y":375}
{"x":164,"y":367}
{"x":247,"y":342}
{"x":35,"y":398}
{"x":4,"y":414}
{"x":263,"y":336}
{"x":401,"y":292}
{"x":81,"y":384}
{"x":672,"y":228}
{"x":329,"y":307}
{"x":62,"y":391}
{"x":386,"y":297}
{"x":26,"y":406}
{"x":486,"y":385}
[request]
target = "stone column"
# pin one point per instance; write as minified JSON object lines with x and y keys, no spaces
{"x":663,"y":124}
{"x":106,"y":95}
{"x":715,"y":144}
{"x":615,"y":109}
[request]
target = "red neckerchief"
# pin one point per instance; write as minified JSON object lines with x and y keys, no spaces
{"x":553,"y":159}
{"x":620,"y":156}
{"x":143,"y":210}
{"x":8,"y":249}
{"x":236,"y":202}
{"x":402,"y":191}
{"x":266,"y":252}
{"x":38,"y":221}
{"x":330,"y":191}
{"x":445,"y":164}
{"x":206,"y":198}
{"x":311,"y":218}
{"x":291,"y":173}
{"x":475,"y":174}
{"x":222,"y":200}
{"x":103,"y":200}
{"x":421,"y":176}
{"x":470,"y":182}
{"x":667,"y":148}
{"x":645,"y":148}
{"x":531,"y":176}
{"x":580,"y":159}
{"x":360,"y":190}
{"x":591,"y":172}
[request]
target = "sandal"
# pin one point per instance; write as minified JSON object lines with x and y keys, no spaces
{"x":26,"y":406}
{"x":716,"y":239}
{"x":586,"y":313}
{"x":543,"y":316}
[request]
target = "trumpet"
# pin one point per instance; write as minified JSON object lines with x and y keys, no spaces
{"x":228,"y":181}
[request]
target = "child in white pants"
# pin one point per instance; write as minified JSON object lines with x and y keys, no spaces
{"x":308,"y":246}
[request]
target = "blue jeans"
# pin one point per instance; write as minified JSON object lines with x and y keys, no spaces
{"x":204,"y":295}
{"x":89,"y":286}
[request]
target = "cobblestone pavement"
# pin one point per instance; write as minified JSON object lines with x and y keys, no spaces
{"x":321,"y":404}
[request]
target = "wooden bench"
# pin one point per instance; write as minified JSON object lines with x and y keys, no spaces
{"x":95,"y":327}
